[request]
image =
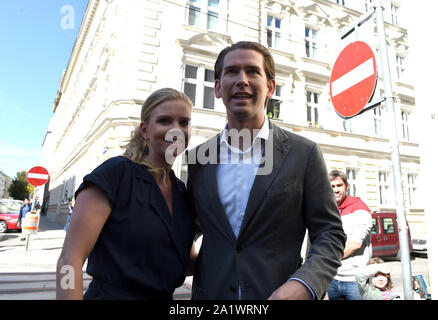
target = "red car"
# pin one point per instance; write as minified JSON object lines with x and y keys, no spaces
{"x":384,"y":235}
{"x":9,"y":210}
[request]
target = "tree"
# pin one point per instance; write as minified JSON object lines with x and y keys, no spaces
{"x":19,"y":188}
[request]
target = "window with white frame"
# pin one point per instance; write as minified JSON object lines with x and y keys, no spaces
{"x":342,"y":2}
{"x":377,"y":118}
{"x":311,"y":39}
{"x":199,"y":86}
{"x":384,"y":188}
{"x":204,"y":14}
{"x":312,"y":108}
{"x":352,"y":182}
{"x":273,"y":107}
{"x":399,"y":62}
{"x":368,"y":5}
{"x":273,"y":31}
{"x":394,"y":14}
{"x":412,"y":188}
{"x":405,"y":125}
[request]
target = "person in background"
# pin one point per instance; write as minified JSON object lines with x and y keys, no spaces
{"x":374,"y":281}
{"x":25,"y":208}
{"x":70,"y":211}
{"x":357,"y":223}
{"x":131,"y":217}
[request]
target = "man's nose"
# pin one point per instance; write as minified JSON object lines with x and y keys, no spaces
{"x":242,"y":78}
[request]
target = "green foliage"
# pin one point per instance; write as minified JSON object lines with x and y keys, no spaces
{"x":19,"y":188}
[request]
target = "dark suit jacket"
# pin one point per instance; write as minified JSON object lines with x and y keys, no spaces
{"x":295,"y":196}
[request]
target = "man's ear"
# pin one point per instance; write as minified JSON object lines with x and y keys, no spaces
{"x":271,"y":88}
{"x":217,"y":89}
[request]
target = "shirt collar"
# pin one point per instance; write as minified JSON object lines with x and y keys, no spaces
{"x":262,"y":134}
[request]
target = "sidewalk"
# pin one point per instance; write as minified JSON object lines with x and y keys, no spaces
{"x":42,"y":253}
{"x":31,"y":274}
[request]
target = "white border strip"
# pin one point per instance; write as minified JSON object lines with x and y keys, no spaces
{"x":356,"y":75}
{"x":38,"y":176}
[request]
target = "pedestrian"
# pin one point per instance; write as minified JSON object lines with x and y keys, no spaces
{"x":374,"y":281}
{"x":357,"y":223}
{"x":70,"y":211}
{"x":25,"y":208}
{"x":131,"y":217}
{"x":254,"y":206}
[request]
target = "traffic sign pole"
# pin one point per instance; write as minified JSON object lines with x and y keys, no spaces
{"x":395,"y":155}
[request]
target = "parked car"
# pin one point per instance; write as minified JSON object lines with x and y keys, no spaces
{"x":419,"y":245}
{"x":9,"y":210}
{"x":384,"y":235}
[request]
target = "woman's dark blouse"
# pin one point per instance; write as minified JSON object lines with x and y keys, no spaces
{"x":142,"y":250}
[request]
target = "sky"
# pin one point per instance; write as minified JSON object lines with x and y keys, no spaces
{"x":36,"y":41}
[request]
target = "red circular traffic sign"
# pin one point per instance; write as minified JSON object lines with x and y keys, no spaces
{"x":37,"y":176}
{"x":353,"y":79}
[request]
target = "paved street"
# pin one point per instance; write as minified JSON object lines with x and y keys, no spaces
{"x":30,"y":275}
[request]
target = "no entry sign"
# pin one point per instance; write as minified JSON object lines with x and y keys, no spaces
{"x":37,"y":176}
{"x":353,"y":79}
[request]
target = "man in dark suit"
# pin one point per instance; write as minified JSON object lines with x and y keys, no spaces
{"x":254,"y":209}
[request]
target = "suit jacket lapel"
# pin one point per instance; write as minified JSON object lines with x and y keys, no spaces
{"x":262,"y":182}
{"x":214,"y":202}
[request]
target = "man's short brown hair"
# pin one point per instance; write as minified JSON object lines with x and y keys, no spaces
{"x":268,"y":60}
{"x":337,"y":173}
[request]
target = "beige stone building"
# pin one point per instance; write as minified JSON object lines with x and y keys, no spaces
{"x":126,"y":49}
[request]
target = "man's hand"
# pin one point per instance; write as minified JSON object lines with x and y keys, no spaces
{"x":292,"y":290}
{"x":350,"y":248}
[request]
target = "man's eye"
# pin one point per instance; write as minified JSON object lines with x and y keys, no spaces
{"x":184,"y":123}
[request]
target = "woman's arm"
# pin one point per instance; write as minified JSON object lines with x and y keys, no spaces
{"x":91,"y":211}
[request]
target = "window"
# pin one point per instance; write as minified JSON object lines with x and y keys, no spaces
{"x":340,"y":2}
{"x":394,"y":14}
{"x":209,"y":89}
{"x":199,"y":86}
{"x":377,"y":117}
{"x":375,"y":227}
{"x":399,"y":65}
{"x":204,"y":14}
{"x":273,"y":107}
{"x":273,"y":32}
{"x":368,"y":5}
{"x":312,"y":108}
{"x":405,"y":125}
{"x":195,"y":13}
{"x":352,"y":181}
{"x":384,"y":192}
{"x":190,"y":82}
{"x":311,"y":36}
{"x":347,"y":125}
{"x":412,"y":188}
{"x":388,"y":225}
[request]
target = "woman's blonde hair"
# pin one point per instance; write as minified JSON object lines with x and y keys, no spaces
{"x":136,"y":147}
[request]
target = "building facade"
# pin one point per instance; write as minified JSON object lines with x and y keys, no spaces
{"x":127,"y":49}
{"x":5,"y":182}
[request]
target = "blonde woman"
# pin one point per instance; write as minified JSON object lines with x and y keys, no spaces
{"x":131,"y":219}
